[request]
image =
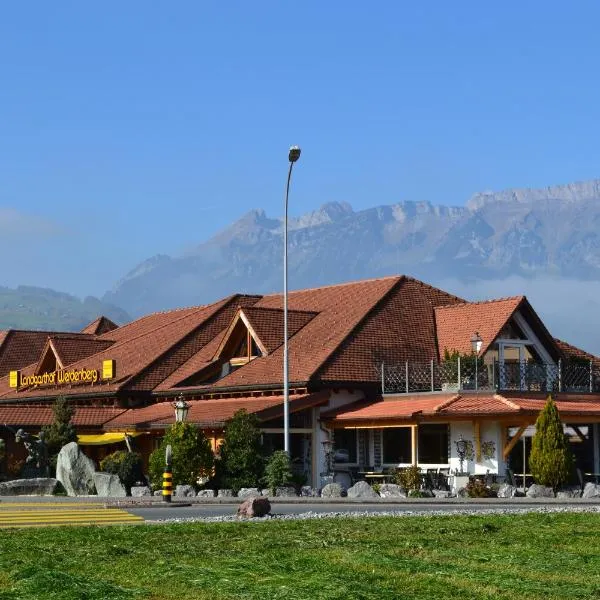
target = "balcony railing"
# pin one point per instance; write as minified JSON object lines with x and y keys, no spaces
{"x":467,"y":375}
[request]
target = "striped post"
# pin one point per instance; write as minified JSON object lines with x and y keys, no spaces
{"x":167,"y":488}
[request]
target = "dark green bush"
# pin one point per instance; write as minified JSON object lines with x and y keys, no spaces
{"x":408,"y":478}
{"x":278,"y":472}
{"x":192,"y":456}
{"x":241,"y":462}
{"x":129,"y":466}
{"x":476,"y":488}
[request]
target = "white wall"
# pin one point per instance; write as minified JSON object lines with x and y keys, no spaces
{"x":490,"y":431}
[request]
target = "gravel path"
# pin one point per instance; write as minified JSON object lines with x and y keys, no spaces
{"x":391,"y":513}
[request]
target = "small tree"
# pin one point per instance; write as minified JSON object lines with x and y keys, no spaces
{"x":241,"y":463}
{"x":550,"y":460}
{"x":61,"y":431}
{"x":192,"y":456}
{"x":278,"y":472}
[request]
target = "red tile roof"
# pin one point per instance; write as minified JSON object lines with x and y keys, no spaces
{"x":37,"y":416}
{"x":414,"y":407}
{"x":21,"y":348}
{"x":99,"y":326}
{"x":571,"y":352}
{"x":71,"y":347}
{"x":210,"y":413}
{"x":456,"y":324}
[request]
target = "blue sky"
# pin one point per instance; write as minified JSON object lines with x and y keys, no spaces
{"x":133,"y":128}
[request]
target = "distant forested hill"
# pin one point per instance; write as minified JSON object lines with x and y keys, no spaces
{"x":39,"y":308}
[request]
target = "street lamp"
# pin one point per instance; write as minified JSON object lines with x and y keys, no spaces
{"x":476,"y":343}
{"x":293,"y":156}
{"x":181,"y":409}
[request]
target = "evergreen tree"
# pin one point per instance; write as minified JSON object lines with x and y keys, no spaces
{"x":61,"y":431}
{"x":550,"y":460}
{"x":241,"y":463}
{"x":192,"y":456}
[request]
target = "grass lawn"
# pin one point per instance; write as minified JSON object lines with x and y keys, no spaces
{"x":555,"y":555}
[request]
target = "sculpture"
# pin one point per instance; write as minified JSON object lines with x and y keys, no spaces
{"x":36,"y":463}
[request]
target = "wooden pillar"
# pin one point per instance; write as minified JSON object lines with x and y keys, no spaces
{"x":477,"y":438}
{"x":413,"y":443}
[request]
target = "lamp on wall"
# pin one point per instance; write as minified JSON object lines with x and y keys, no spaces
{"x":461,"y":450}
{"x":181,"y":409}
{"x":476,"y":343}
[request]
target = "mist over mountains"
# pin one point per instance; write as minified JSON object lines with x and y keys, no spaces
{"x":523,"y":233}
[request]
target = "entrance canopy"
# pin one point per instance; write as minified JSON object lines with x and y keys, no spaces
{"x":102,"y":439}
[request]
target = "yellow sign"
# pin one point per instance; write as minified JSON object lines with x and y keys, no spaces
{"x":108,"y":369}
{"x":63,"y":377}
{"x":13,"y":378}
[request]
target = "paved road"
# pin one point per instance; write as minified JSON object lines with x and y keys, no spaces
{"x":196,"y":511}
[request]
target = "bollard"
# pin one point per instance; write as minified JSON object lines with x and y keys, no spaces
{"x":167,"y":487}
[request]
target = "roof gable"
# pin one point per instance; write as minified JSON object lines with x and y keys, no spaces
{"x":456,"y":324}
{"x":99,"y":326}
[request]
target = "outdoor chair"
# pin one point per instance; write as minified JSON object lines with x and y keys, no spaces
{"x":443,"y":476}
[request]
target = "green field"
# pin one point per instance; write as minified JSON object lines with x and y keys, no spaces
{"x":555,"y":555}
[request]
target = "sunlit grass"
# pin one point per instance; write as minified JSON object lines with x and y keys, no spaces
{"x":553,"y":555}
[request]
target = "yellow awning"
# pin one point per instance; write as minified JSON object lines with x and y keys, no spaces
{"x":100,"y":439}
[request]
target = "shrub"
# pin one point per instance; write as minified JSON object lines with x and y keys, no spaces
{"x":129,"y":466}
{"x":417,"y":494}
{"x":476,"y":488}
{"x":409,"y":478}
{"x":192,"y":456}
{"x":241,"y":461}
{"x":550,"y":460}
{"x":61,"y":431}
{"x":278,"y":472}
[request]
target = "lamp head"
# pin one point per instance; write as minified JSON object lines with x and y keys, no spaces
{"x":294,"y":154}
{"x":476,"y":342}
{"x":181,"y":409}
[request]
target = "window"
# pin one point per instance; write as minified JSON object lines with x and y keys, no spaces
{"x":344,"y":445}
{"x":433,"y":444}
{"x":397,"y":445}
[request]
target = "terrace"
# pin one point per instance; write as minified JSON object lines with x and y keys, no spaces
{"x":468,"y":374}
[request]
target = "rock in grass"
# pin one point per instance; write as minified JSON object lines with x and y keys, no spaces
{"x":333,"y":490}
{"x":256,"y":506}
{"x":391,"y":490}
{"x":591,"y":490}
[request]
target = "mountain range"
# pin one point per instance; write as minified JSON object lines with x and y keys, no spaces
{"x":525,"y":232}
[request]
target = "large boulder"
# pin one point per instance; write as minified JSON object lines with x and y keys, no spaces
{"x":568,"y":493}
{"x":255,"y":506}
{"x":333,"y":490}
{"x":308,"y":492}
{"x":507,"y":491}
{"x":225,"y":493}
{"x":391,"y":490}
{"x":591,"y":490}
{"x":206,"y":494}
{"x":75,"y":470}
{"x":539,"y":491}
{"x":109,"y":485}
{"x":137,"y":491}
{"x":286,"y":492}
{"x":362,"y":490}
{"x":185,"y":491}
{"x":248,"y":492}
{"x":38,"y":486}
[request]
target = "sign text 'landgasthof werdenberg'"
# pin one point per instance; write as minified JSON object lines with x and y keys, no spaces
{"x":63,"y":376}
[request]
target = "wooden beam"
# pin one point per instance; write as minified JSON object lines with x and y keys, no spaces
{"x":514,"y":441}
{"x":578,"y":432}
{"x":413,"y":443}
{"x":477,"y":438}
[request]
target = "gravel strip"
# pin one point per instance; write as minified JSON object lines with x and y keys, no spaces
{"x":392,"y":513}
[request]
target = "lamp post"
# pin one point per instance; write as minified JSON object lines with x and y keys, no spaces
{"x":293,"y":156}
{"x":461,"y":450}
{"x":181,"y":409}
{"x":476,"y":343}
